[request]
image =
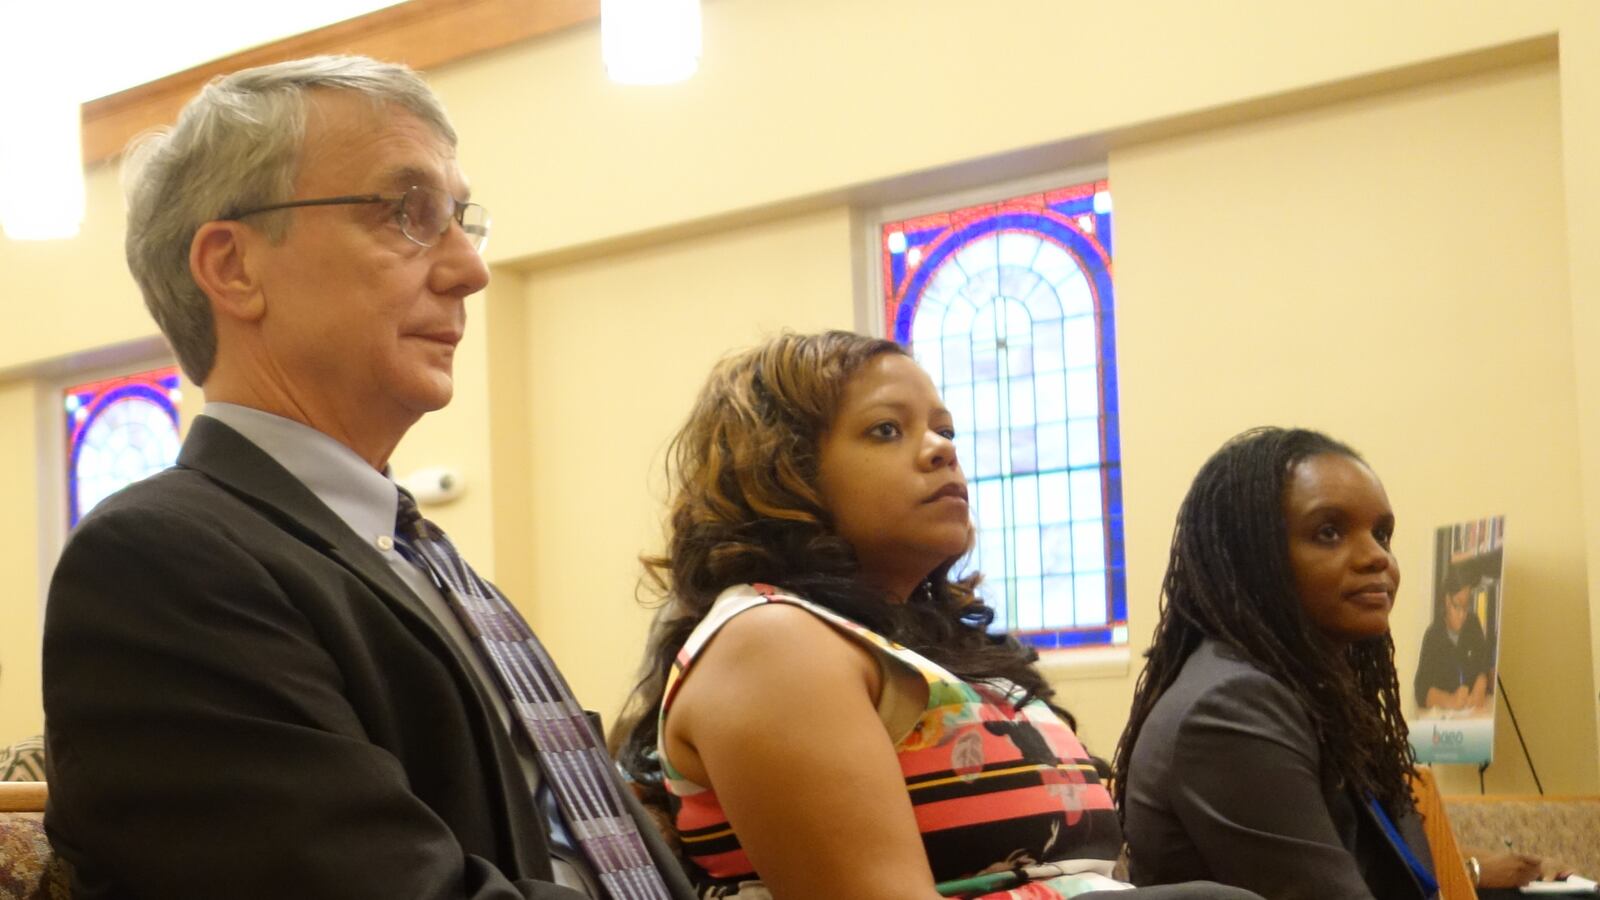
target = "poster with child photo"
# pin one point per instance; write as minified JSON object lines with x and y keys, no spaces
{"x":1454,"y":690}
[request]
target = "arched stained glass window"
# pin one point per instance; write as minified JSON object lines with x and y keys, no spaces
{"x":119,"y":430}
{"x":1009,"y":306}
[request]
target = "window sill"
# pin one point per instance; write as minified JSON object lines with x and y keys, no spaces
{"x":1084,"y":662}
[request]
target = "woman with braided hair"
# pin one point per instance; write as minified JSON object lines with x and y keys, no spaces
{"x":823,"y":712}
{"x":1265,"y":747}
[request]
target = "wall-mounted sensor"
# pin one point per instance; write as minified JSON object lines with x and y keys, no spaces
{"x":434,"y":485}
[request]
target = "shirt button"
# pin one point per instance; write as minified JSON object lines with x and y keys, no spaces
{"x":385,"y":543}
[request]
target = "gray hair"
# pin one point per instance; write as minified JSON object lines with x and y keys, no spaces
{"x":235,"y":146}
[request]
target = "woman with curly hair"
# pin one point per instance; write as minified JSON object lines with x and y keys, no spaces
{"x":823,"y":713}
{"x":1266,"y":747}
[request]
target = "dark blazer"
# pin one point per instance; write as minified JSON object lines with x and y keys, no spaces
{"x":1227,"y":783}
{"x":243,"y":700}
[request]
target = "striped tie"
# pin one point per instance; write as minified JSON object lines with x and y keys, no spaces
{"x":569,"y":752}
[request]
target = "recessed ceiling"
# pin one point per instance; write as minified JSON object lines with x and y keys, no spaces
{"x":121,"y":45}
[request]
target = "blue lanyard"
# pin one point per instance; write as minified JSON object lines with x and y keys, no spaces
{"x":1425,"y":879}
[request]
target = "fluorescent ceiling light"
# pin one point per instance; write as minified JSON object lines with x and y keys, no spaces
{"x":41,"y":145}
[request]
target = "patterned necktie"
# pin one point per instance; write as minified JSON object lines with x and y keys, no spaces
{"x":569,"y":752}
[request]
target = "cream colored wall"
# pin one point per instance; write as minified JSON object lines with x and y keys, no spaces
{"x":1391,"y":270}
{"x":579,"y":169}
{"x":616,"y":350}
{"x":20,"y":714}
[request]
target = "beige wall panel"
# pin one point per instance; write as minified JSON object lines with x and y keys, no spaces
{"x":617,"y":350}
{"x":457,"y":437}
{"x":21,"y":714}
{"x":1392,"y":271}
{"x":804,"y":99}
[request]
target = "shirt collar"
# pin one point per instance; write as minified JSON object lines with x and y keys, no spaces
{"x":364,"y":498}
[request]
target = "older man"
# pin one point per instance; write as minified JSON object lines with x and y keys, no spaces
{"x":257,"y":683}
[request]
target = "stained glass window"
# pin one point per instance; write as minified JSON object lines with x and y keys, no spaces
{"x":1009,"y":306}
{"x":119,"y":430}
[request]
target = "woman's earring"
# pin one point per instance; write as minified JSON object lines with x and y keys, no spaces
{"x":926,"y":590}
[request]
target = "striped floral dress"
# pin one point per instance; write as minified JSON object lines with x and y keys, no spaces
{"x":995,"y":788}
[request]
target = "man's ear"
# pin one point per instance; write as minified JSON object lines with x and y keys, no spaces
{"x":220,"y":261}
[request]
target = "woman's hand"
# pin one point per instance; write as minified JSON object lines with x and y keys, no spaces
{"x":1507,"y":870}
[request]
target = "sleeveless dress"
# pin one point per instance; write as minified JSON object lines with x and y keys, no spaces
{"x":994,"y":787}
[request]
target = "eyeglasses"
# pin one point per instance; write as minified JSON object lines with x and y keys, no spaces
{"x":424,"y":214}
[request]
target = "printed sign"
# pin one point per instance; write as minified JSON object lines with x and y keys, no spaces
{"x":1454,"y":690}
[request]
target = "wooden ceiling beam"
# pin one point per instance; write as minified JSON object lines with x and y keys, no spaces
{"x":420,"y":33}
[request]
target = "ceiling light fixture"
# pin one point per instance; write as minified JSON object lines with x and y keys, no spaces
{"x":650,"y":41}
{"x":41,"y":142}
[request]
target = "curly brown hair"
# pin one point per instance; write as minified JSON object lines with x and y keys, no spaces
{"x":745,"y":508}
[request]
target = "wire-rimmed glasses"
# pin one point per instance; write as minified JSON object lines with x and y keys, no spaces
{"x":423,"y":213}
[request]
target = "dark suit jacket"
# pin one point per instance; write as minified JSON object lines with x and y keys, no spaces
{"x":244,"y":700}
{"x":1226,"y":783}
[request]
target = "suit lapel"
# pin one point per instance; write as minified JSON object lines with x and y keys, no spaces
{"x":230,"y":459}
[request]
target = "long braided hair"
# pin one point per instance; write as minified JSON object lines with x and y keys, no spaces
{"x":1229,"y":579}
{"x":746,"y":508}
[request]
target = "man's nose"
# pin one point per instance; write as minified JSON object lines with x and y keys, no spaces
{"x":459,"y":269}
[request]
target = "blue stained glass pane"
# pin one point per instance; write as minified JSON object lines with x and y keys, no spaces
{"x":1114,"y":542}
{"x":966,"y":451}
{"x":1051,"y":446}
{"x":926,"y":325}
{"x":1016,"y":284}
{"x":1030,"y":604}
{"x":1042,"y":640}
{"x":1042,"y":302}
{"x":1088,"y":546}
{"x":1023,"y":458}
{"x":977,"y":258}
{"x":1025,"y":500}
{"x":1056,"y":541}
{"x":957,"y":355}
{"x":944,"y":286}
{"x":1028,"y":558}
{"x":992,"y":554}
{"x":1022,"y":408}
{"x":1056,"y":265}
{"x":958,"y":399}
{"x":1018,"y":248}
{"x":1083,"y":393}
{"x":993,"y":594}
{"x":1077,"y":334}
{"x":986,"y":461}
{"x":1048,"y":350}
{"x":1060,"y":608}
{"x":1090,"y":588}
{"x":1097,"y":637}
{"x":1019,"y":357}
{"x":985,"y":362}
{"x":930,"y":357}
{"x":1054,"y":498}
{"x":986,"y":405}
{"x":1077,"y":298}
{"x":1050,"y":391}
{"x":1083,"y":442}
{"x":958,"y":316}
{"x":1086,"y":494}
{"x":989,"y":507}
